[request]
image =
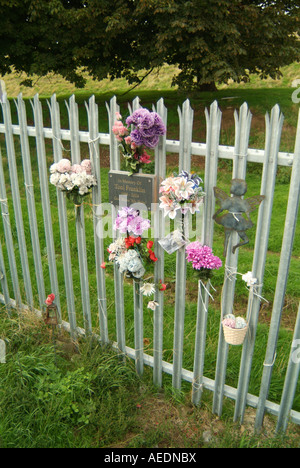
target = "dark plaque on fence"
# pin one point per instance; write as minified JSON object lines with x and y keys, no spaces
{"x":138,"y":188}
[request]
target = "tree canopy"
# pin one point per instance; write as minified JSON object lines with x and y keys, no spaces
{"x":210,"y":42}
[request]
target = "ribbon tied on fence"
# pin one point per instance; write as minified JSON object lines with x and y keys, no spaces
{"x":205,"y":287}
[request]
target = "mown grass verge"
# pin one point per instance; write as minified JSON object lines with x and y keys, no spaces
{"x":56,"y":395}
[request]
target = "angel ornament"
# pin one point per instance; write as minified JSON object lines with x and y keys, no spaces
{"x":236,"y":206}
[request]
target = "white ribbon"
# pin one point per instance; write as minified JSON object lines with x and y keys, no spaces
{"x":200,"y":283}
{"x":253,"y":285}
{"x":234,"y":215}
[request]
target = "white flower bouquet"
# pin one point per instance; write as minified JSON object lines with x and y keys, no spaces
{"x":76,"y":180}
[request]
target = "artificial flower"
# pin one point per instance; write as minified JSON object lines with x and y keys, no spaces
{"x":229,"y":323}
{"x":132,"y":253}
{"x":50,"y":299}
{"x":249,"y":278}
{"x":162,"y":286}
{"x":63,"y":166}
{"x":75,"y":180}
{"x":147,"y":127}
{"x":202,"y":258}
{"x":152,"y":256}
{"x":148,"y":289}
{"x":234,"y":322}
{"x":130,"y":241}
{"x":152,"y":305}
{"x":76,"y":169}
{"x":129,"y":220}
{"x":181,"y":193}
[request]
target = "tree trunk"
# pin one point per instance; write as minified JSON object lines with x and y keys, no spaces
{"x":207,"y":87}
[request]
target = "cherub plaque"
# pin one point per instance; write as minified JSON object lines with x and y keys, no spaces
{"x":236,"y":206}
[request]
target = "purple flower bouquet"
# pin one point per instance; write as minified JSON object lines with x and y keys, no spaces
{"x":147,"y":128}
{"x":129,"y":221}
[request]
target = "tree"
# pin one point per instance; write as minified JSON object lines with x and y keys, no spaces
{"x":217,"y":40}
{"x":210,"y":42}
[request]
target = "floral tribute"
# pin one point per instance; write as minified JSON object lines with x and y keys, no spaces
{"x":147,"y":127}
{"x":76,"y":180}
{"x":129,"y":221}
{"x":181,"y":193}
{"x":202,"y":258}
{"x":133,"y":254}
{"x":50,"y":299}
{"x":234,"y":322}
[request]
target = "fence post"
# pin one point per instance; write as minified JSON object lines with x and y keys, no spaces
{"x":213,"y":129}
{"x":3,"y":281}
{"x":186,"y":126}
{"x":159,"y":232}
{"x":11,"y":156}
{"x":118,"y":277}
{"x":92,"y":112}
{"x":138,"y":327}
{"x":63,"y":218}
{"x":8,"y":237}
{"x":80,"y":224}
{"x":29,"y":187}
{"x":291,"y":380}
{"x":2,"y":352}
{"x":2,"y":89}
{"x":273,"y":135}
{"x":283,"y":270}
{"x":242,"y":125}
{"x":44,"y":185}
{"x":114,"y":152}
{"x":213,"y":122}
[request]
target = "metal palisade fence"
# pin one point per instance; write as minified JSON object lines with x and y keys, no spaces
{"x":18,"y":135}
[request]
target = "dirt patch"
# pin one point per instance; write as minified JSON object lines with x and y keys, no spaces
{"x":173,"y":425}
{"x":167,"y":424}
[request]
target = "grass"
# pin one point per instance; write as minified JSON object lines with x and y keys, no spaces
{"x":123,"y":422}
{"x":61,"y":396}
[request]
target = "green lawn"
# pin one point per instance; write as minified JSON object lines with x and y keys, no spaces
{"x":61,"y":397}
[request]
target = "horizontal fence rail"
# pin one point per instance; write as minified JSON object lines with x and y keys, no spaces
{"x":19,"y":218}
{"x":172,"y":146}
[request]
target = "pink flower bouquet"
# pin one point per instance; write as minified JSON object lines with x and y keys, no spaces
{"x":182,"y":193}
{"x":202,"y":258}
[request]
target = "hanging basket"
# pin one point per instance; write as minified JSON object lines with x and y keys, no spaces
{"x":235,"y":336}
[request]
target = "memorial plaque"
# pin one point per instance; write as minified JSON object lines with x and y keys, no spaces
{"x":138,"y":188}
